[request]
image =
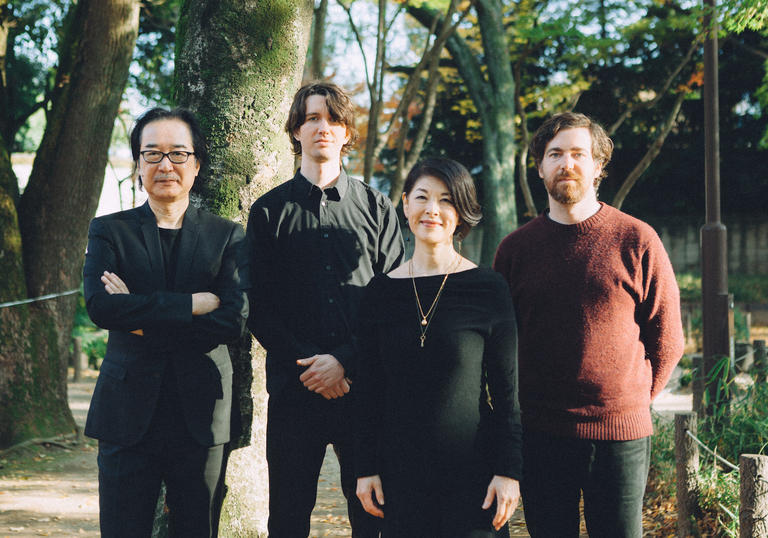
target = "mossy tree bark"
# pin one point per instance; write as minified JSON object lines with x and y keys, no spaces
{"x":44,"y":231}
{"x":492,"y":88}
{"x":238,"y":65}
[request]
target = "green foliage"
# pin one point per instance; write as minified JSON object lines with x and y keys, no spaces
{"x":94,"y":339}
{"x":719,"y":496}
{"x":745,"y":288}
{"x":743,"y":429}
{"x":663,"y":453}
{"x":35,"y":48}
{"x":30,"y":69}
{"x":740,"y":15}
{"x":738,"y":427}
{"x":152,"y":73}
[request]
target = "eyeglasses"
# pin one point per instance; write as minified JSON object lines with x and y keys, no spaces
{"x":176,"y":157}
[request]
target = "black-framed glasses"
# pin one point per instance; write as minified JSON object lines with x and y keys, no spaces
{"x":152,"y":156}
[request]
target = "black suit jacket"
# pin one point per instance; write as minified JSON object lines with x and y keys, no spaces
{"x":210,"y":258}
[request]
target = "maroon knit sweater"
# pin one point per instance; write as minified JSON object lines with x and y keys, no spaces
{"x":598,"y":313}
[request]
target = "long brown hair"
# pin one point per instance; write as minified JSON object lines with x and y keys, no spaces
{"x":340,"y":108}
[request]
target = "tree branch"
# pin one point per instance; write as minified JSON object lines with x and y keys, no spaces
{"x":662,"y":91}
{"x":430,"y":55}
{"x":650,"y":155}
{"x":359,"y":39}
{"x":403,"y":164}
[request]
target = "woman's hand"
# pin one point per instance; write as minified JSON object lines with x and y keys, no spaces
{"x":367,"y":486}
{"x":506,"y":491}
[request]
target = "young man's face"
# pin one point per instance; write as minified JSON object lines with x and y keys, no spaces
{"x":320,"y":137}
{"x":568,"y":168}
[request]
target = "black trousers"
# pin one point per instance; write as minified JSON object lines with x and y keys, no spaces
{"x":298,"y":431}
{"x":611,"y":474}
{"x":129,"y":484}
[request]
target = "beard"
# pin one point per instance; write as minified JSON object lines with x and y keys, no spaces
{"x":566,"y":193}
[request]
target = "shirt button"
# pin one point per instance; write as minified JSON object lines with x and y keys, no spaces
{"x":327,"y":267}
{"x":322,"y":203}
{"x":330,"y":300}
{"x":333,"y":333}
{"x":325,"y":235}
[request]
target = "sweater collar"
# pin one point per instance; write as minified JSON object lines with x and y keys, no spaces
{"x":583,"y":226}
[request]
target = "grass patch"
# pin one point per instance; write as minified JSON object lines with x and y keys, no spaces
{"x":742,"y":430}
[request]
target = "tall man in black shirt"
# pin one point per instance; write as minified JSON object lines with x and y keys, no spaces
{"x":314,"y":243}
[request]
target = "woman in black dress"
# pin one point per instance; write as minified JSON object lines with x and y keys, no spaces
{"x":438,"y":432}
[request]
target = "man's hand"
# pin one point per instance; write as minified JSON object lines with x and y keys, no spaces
{"x":367,"y":487}
{"x":325,"y":376}
{"x":506,"y":491}
{"x":113,"y":284}
{"x":337,"y":391}
{"x":204,"y":302}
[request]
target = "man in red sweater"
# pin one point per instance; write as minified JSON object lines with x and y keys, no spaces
{"x":598,"y":313}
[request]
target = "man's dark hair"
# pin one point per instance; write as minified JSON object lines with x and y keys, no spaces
{"x":156,"y":114}
{"x":460,"y":185}
{"x":340,"y":109}
{"x":602,"y":146}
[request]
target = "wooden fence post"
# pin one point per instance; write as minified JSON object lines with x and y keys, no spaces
{"x":761,"y":363}
{"x":753,"y":514}
{"x":687,"y":458}
{"x":77,"y":351}
{"x":697,"y":384}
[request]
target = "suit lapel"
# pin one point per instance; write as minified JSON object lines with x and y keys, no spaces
{"x":190,"y":232}
{"x":152,"y":244}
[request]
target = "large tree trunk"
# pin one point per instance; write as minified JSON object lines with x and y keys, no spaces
{"x":240,"y":80}
{"x":53,"y":213}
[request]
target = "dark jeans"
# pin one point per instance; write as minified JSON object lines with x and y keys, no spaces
{"x":612,"y":475}
{"x":298,"y":432}
{"x":129,"y":484}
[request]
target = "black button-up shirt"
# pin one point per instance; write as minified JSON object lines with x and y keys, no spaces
{"x":312,"y":253}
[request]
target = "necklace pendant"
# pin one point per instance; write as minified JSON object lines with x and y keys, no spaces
{"x":422,"y":337}
{"x":423,"y":322}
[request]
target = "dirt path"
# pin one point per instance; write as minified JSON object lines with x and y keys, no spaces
{"x":51,"y":489}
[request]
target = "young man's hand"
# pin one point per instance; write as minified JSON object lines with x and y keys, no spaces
{"x":324,"y":375}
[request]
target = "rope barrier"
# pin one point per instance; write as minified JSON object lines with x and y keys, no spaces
{"x":741,"y":358}
{"x":705,"y":447}
{"x":724,"y":509}
{"x":41,"y":298}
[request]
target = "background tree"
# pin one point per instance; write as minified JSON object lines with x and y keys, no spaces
{"x":45,"y":228}
{"x":490,"y":83}
{"x":238,"y":65}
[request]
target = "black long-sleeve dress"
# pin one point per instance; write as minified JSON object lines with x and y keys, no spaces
{"x":436,"y":423}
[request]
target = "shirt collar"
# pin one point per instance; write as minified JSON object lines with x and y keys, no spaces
{"x":302,"y":186}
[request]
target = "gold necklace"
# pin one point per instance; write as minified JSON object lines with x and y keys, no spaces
{"x":426,"y":319}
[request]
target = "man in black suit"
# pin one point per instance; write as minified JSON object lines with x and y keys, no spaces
{"x":165,"y":279}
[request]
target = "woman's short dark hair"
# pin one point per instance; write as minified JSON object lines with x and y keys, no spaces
{"x":340,"y":108}
{"x":156,"y":114}
{"x":602,"y":145}
{"x":460,"y":185}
